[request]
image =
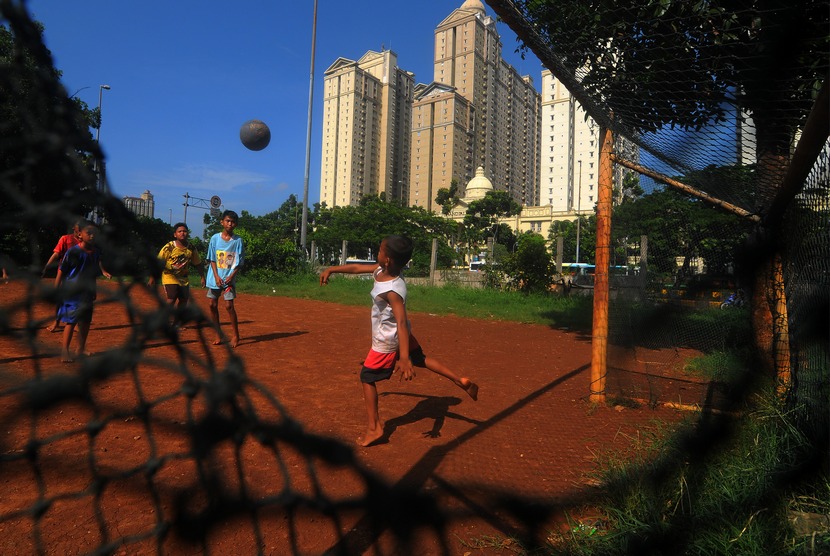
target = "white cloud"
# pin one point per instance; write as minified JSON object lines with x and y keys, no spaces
{"x":204,"y":177}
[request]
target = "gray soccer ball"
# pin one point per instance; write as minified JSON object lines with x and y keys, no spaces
{"x":255,"y":135}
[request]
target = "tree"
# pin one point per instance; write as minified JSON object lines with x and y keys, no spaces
{"x":529,"y":269}
{"x":567,"y":230}
{"x":678,"y":225}
{"x":365,"y":225}
{"x":271,"y":241}
{"x":57,"y":185}
{"x":683,"y":47}
{"x":448,"y":197}
{"x":482,"y":218}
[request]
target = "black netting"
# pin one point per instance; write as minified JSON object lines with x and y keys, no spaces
{"x":740,"y":104}
{"x":718,"y":97}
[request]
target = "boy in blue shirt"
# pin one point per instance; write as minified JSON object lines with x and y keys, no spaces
{"x":225,"y":255}
{"x":77,"y":274}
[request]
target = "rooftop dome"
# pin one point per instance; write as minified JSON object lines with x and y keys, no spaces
{"x":473,"y":5}
{"x":478,"y":187}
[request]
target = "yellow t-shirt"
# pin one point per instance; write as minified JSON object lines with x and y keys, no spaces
{"x":177,"y":261}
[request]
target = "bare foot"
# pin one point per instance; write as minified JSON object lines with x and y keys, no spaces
{"x":234,"y":341}
{"x":54,"y":328}
{"x":217,"y":341}
{"x":371,"y":436}
{"x":470,"y":387}
{"x":67,"y":358}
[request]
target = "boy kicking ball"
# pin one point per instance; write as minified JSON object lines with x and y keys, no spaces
{"x":394,"y":348}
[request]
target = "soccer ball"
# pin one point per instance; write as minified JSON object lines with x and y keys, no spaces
{"x":255,"y":135}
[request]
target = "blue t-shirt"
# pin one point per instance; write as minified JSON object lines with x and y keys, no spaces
{"x":80,"y":269}
{"x":228,"y":255}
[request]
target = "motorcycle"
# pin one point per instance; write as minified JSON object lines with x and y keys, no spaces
{"x":735,"y":299}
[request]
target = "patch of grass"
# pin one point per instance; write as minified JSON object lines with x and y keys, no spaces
{"x":551,"y":310}
{"x":713,"y":485}
{"x":728,"y":366}
{"x":343,"y":290}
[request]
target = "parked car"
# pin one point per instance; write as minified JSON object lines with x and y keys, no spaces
{"x":477,"y":266}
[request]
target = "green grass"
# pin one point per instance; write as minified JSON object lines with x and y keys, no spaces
{"x":721,"y":485}
{"x":721,"y":365}
{"x":550,"y":310}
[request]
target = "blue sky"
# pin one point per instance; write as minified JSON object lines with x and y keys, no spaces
{"x":185,"y":75}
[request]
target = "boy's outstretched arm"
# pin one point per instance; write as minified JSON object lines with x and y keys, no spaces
{"x":354,"y":268}
{"x":404,"y":365}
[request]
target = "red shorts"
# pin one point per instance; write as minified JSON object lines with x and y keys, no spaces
{"x":378,"y":361}
{"x":379,"y":366}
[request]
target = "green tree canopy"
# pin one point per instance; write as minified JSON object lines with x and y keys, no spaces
{"x":678,"y":225}
{"x":702,"y":50}
{"x":365,"y":225}
{"x":57,"y":185}
{"x":482,"y":220}
{"x":448,"y":197}
{"x":529,"y":269}
{"x":567,"y":229}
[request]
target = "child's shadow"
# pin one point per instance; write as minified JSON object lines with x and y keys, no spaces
{"x":430,"y":407}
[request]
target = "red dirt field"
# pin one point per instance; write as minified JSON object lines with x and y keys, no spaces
{"x":508,"y":465}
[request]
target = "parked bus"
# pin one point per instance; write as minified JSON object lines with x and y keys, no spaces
{"x":578,"y":269}
{"x":585,"y":269}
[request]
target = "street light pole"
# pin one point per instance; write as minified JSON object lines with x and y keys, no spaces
{"x":73,"y":95}
{"x":578,"y":208}
{"x":100,"y":99}
{"x":304,"y":223}
{"x":99,"y":181}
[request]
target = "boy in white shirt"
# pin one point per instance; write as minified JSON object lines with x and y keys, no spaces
{"x":394,"y":348}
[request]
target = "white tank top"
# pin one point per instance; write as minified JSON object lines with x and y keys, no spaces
{"x":384,"y":325}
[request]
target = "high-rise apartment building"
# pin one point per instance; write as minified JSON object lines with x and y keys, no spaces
{"x":569,"y":169}
{"x":478,"y":112}
{"x":442,"y":141}
{"x":141,"y":206}
{"x":367,"y":115}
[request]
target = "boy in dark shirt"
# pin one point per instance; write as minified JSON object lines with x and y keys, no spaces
{"x":77,"y":275}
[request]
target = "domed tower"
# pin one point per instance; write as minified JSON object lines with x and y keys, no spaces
{"x":477,"y":187}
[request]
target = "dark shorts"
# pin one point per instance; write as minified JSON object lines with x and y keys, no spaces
{"x":73,"y":311}
{"x":370,"y":375}
{"x":176,"y":292}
